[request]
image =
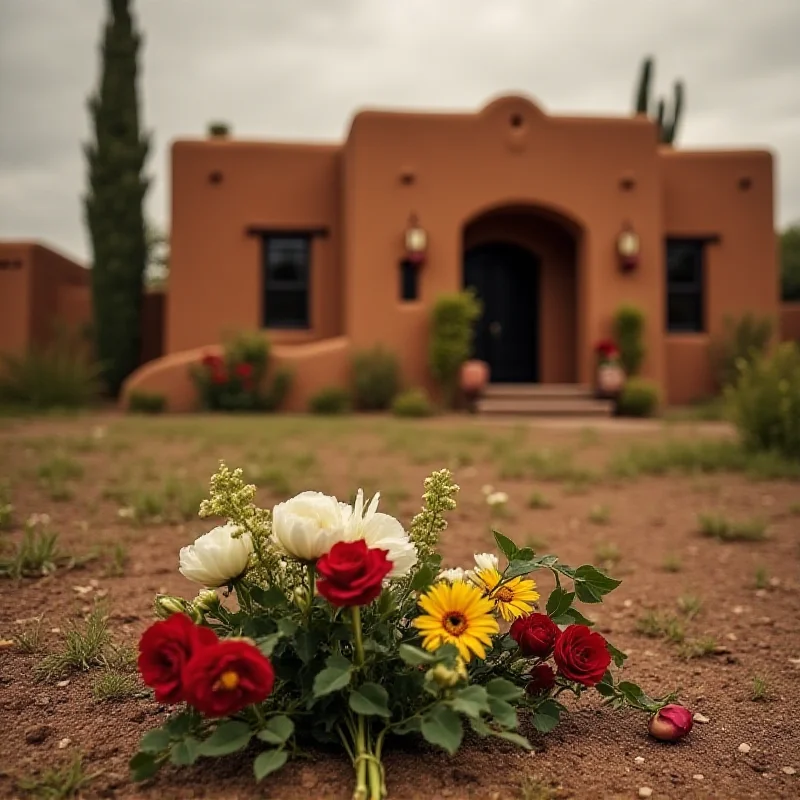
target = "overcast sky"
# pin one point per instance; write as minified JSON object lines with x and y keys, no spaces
{"x":297,"y":69}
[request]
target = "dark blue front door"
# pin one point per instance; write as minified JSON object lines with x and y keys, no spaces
{"x":506,"y":279}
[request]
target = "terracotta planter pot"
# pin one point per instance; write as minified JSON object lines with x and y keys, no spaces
{"x":610,"y":380}
{"x":474,"y":377}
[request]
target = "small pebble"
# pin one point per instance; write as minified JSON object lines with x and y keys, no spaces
{"x":64,"y":743}
{"x":6,"y":643}
{"x":731,"y":636}
{"x":788,"y":770}
{"x":701,"y":718}
{"x":744,"y":747}
{"x":62,"y":684}
{"x":698,"y":777}
{"x":638,"y":760}
{"x":761,"y":593}
{"x":738,"y":609}
{"x":645,"y":791}
{"x":627,"y":603}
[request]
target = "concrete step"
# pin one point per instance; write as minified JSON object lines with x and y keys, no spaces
{"x":556,"y":407}
{"x":537,"y":390}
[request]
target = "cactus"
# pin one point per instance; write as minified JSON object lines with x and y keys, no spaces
{"x":668,"y":123}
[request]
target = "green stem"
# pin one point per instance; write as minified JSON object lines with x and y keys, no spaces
{"x":361,"y":792}
{"x":355,"y":611}
{"x":311,"y":566}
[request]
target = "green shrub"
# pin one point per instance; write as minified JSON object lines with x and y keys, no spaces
{"x":745,"y":339}
{"x":765,"y":402}
{"x":376,"y":379}
{"x":629,"y":335}
{"x":412,"y":403}
{"x":146,"y":402}
{"x":639,"y":398}
{"x":236,"y":380}
{"x":333,"y":400}
{"x":58,"y":375}
{"x":453,"y":318}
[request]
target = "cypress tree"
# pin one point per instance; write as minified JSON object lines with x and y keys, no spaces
{"x":114,"y":200}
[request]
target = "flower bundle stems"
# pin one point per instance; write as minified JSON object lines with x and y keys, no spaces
{"x":347,"y":626}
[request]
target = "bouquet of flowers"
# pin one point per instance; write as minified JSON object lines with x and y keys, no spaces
{"x":607,"y":352}
{"x":347,"y":631}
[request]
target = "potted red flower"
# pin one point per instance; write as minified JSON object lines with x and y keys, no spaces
{"x":610,"y":376}
{"x":473,"y":377}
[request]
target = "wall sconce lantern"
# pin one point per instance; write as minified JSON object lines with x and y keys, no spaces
{"x":628,"y":248}
{"x":416,"y":240}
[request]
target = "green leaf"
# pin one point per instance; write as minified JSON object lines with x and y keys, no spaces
{"x":591,"y":584}
{"x":471,"y":700}
{"x":179,"y":725}
{"x":506,"y":545}
{"x":412,"y":725}
{"x":572,"y":617}
{"x":155,"y":741}
{"x":276,"y":730}
{"x":267,"y":644}
{"x":442,"y":726}
{"x":547,"y":716}
{"x":370,"y":700}
{"x":517,"y":568}
{"x":504,"y":713}
{"x":502,"y":689}
{"x":227,"y":738}
{"x":143,"y":766}
{"x":606,"y":685}
{"x":414,"y":656}
{"x":559,"y":602}
{"x":516,"y":738}
{"x":185,"y":752}
{"x":525,"y":554}
{"x":287,"y":627}
{"x":423,"y":578}
{"x":618,"y":656}
{"x":267,"y":762}
{"x":267,"y":598}
{"x":562,"y":568}
{"x":306,"y":644}
{"x":336,"y":675}
{"x":480,"y":727}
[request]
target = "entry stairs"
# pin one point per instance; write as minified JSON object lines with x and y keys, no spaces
{"x":543,"y":400}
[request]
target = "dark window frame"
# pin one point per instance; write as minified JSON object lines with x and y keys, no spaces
{"x":409,"y":281}
{"x":270,"y":288}
{"x":694,"y":287}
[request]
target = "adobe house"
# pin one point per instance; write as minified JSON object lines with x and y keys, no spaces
{"x":309,"y":244}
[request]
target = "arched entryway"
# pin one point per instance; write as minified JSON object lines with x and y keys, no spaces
{"x":522,"y":263}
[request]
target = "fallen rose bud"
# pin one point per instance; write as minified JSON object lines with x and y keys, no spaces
{"x":670,"y":723}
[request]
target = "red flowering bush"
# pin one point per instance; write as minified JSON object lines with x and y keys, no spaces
{"x":223,"y":679}
{"x":542,"y":680}
{"x":164,"y":651}
{"x":607,"y":351}
{"x":535,"y":634}
{"x":582,"y":656}
{"x":352,"y":574}
{"x":235,"y":380}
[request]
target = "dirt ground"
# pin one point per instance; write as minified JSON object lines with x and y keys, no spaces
{"x":122,"y":490}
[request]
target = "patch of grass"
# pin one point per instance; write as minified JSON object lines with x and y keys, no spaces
{"x":274,"y":479}
{"x":114,"y":685}
{"x":578,"y":485}
{"x":29,"y":641}
{"x":535,"y":788}
{"x":512,"y":468}
{"x":600,"y":515}
{"x":118,"y":560}
{"x":59,"y":467}
{"x":661,"y":626}
{"x":690,"y":605}
{"x":762,"y":577}
{"x":58,"y":783}
{"x":671,"y":563}
{"x":699,"y":648}
{"x":710,"y":410}
{"x":35,"y":555}
{"x":589,"y":437}
{"x":793,"y":509}
{"x":716,"y":526}
{"x":538,"y":501}
{"x":608,"y":554}
{"x":6,"y":507}
{"x":761,"y":690}
{"x":83,"y":649}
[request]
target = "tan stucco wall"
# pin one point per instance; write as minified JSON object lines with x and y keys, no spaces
{"x":215,"y":266}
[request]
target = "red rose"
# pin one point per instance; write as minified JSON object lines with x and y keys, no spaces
{"x":227,"y":677}
{"x":581,"y":655}
{"x":244,"y":371}
{"x":535,"y":634}
{"x":164,"y":651}
{"x":211,"y":361}
{"x":219,"y":376}
{"x":352,"y":573}
{"x":541,"y":679}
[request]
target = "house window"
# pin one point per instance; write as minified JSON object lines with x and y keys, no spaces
{"x":409,"y":280}
{"x":286,"y":276}
{"x":685,"y":285}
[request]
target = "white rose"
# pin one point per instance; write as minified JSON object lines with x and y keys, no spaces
{"x":452,"y":575}
{"x":484,"y":561}
{"x":217,"y":557}
{"x":380,"y":531}
{"x":308,"y":525}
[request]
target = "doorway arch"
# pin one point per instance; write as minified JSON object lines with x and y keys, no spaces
{"x":522,"y":262}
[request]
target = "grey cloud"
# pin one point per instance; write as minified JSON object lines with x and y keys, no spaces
{"x":300,"y":69}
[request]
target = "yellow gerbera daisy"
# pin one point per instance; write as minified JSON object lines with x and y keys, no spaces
{"x":457,"y":614}
{"x":513,"y":599}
